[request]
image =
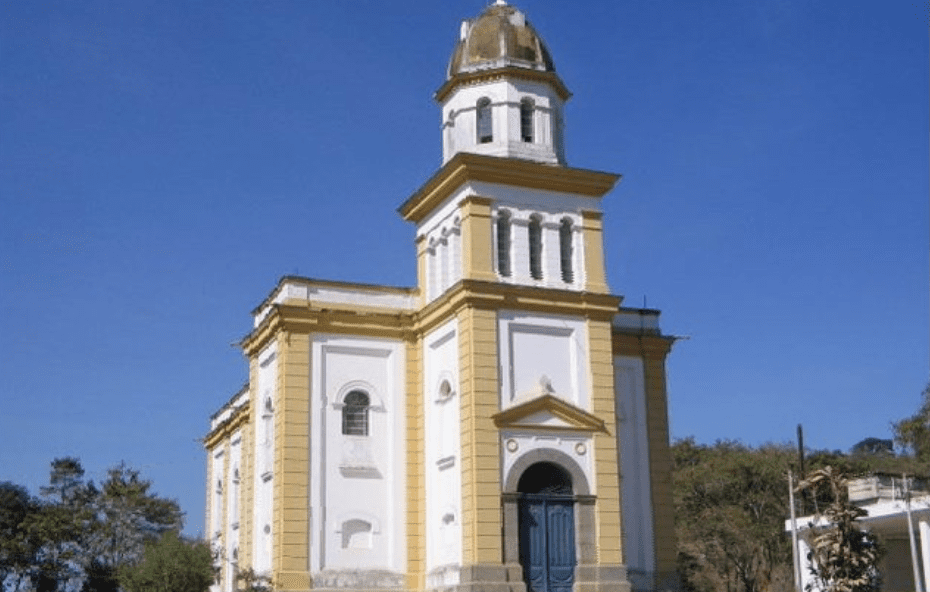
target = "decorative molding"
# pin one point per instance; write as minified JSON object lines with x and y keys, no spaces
{"x":466,"y":166}
{"x":579,"y":420}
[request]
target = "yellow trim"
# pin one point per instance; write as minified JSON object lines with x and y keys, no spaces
{"x":421,"y":245}
{"x":480,"y":450}
{"x":239,"y":418}
{"x":416,"y":479}
{"x":660,"y":465}
{"x":466,"y":166}
{"x":290,"y":530}
{"x":592,"y":232}
{"x":580,"y":419}
{"x":301,"y":316}
{"x":608,"y":510}
{"x":470,"y":78}
{"x":477,"y":254}
{"x":646,"y":346}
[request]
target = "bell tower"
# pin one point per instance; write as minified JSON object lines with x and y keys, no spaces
{"x":502,"y":96}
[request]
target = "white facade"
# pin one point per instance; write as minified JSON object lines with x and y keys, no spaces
{"x":442,"y":454}
{"x":542,"y":355}
{"x":357,"y":481}
{"x":505,"y":98}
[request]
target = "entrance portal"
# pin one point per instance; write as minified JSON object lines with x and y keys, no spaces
{"x":547,"y":528}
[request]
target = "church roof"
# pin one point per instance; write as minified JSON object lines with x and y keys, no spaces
{"x":500,"y":37}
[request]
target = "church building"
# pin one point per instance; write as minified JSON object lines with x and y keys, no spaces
{"x":502,"y":426}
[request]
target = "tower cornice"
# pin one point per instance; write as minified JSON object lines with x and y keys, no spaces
{"x":465,"y":166}
{"x":480,"y":76}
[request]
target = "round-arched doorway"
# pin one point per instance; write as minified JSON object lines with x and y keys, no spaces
{"x":547,"y":528}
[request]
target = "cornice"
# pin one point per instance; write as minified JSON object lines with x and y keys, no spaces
{"x":316,"y":283}
{"x":465,"y":166}
{"x":297,"y":316}
{"x":479,"y":76}
{"x":579,"y":419}
{"x":226,"y":428}
{"x":646,"y":345}
{"x":497,"y":296}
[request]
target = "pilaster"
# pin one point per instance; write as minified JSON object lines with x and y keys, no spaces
{"x":416,"y":479}
{"x":610,"y":531}
{"x":477,"y":252}
{"x":292,"y":463}
{"x":660,"y":466}
{"x":481,"y":511}
{"x":247,"y":509}
{"x":422,"y":263}
{"x":592,"y":231}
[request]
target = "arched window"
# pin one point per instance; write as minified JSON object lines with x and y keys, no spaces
{"x":565,"y":250}
{"x":527,"y":109}
{"x":355,"y":414}
{"x":503,"y":243}
{"x":485,"y":129}
{"x":535,"y":235}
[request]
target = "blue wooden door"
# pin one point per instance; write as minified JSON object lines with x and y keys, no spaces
{"x":547,"y":543}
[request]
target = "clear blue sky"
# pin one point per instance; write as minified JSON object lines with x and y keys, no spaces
{"x":162,"y":164}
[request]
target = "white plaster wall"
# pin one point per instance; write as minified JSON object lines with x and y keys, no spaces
{"x":218,"y":489}
{"x":636,"y":484}
{"x":216,"y":486}
{"x":442,"y":450}
{"x":357,"y":482}
{"x":517,"y":443}
{"x":444,"y":255}
{"x":460,"y":127}
{"x":265,"y":389}
{"x":535,"y":346}
{"x":551,"y":248}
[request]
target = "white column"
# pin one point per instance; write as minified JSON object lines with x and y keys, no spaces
{"x":924,"y":527}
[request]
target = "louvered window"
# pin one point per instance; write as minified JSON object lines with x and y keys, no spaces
{"x":526,"y":120}
{"x":535,"y":236}
{"x":565,"y":250}
{"x":485,"y":129}
{"x":503,"y":243}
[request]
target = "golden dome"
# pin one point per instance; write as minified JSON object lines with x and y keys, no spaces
{"x":500,"y":37}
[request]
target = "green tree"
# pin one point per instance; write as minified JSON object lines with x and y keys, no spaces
{"x":76,"y":536}
{"x":844,"y":557}
{"x":731,"y":503}
{"x":913,"y":433}
{"x":57,"y":531}
{"x":17,"y":550}
{"x":171,"y":564}
{"x":128,"y":515}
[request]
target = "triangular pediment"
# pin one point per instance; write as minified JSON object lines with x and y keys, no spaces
{"x":549,"y":413}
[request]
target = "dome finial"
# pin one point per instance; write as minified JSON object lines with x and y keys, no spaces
{"x":500,"y":3}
